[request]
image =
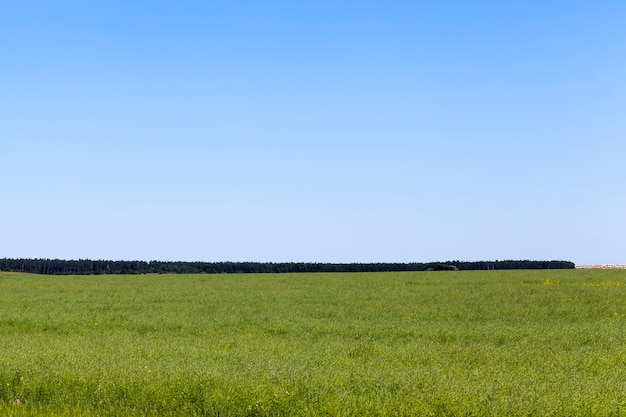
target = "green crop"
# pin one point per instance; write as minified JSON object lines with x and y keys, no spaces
{"x":474,"y":343}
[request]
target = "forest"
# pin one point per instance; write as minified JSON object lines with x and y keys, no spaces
{"x":98,"y":267}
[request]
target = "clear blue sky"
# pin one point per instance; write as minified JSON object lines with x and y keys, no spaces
{"x":318,"y":131}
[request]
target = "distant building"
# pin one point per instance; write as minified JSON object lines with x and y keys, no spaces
{"x":601,"y":266}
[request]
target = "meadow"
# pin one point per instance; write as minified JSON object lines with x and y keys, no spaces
{"x":475,"y":343}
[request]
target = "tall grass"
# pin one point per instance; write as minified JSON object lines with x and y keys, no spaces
{"x":512,"y":343}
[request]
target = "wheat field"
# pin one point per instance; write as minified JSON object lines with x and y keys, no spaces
{"x":475,"y":343}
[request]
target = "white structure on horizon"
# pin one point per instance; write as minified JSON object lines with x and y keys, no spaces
{"x":601,"y":266}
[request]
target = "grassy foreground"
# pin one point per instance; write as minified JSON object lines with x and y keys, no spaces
{"x":514,"y":343}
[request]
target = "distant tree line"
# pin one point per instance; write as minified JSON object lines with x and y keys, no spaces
{"x":91,"y":267}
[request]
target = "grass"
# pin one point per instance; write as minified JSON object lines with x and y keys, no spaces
{"x":515,"y":343}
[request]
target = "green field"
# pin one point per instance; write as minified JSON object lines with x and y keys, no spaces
{"x":510,"y":343}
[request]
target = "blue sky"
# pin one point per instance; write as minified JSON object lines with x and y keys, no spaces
{"x":319,"y":131}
